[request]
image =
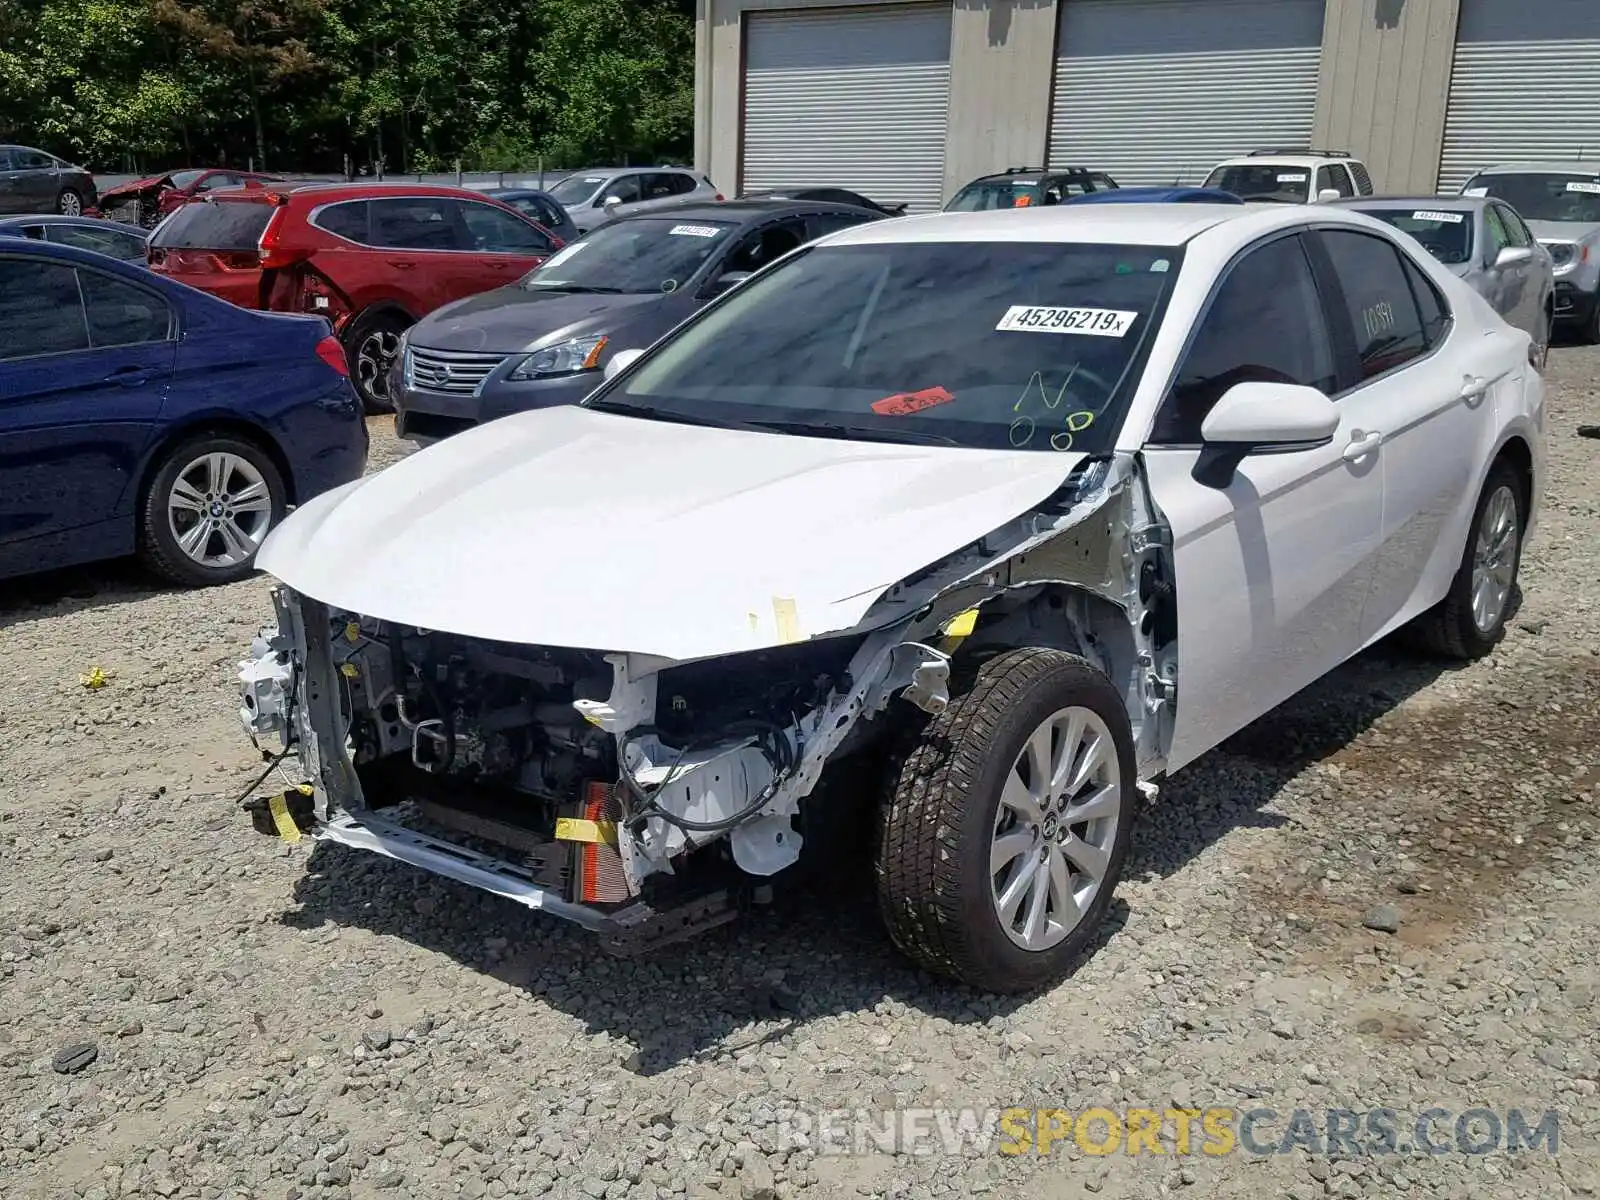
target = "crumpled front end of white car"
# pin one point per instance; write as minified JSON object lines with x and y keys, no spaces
{"x":629,"y":794}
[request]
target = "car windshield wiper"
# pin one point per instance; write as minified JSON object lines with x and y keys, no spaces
{"x":916,"y":437}
{"x":571,"y":287}
{"x":623,"y":408}
{"x":804,"y":428}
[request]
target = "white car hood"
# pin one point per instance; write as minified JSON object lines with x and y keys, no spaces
{"x":572,"y":527}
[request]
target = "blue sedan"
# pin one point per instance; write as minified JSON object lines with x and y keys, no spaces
{"x":139,"y":415}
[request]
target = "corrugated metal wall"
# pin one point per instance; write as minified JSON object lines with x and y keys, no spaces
{"x":1381,"y":93}
{"x":1159,"y":91}
{"x":1525,"y":87}
{"x":855,"y":98}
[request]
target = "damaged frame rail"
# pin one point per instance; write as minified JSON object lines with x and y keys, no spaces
{"x":1075,"y":573}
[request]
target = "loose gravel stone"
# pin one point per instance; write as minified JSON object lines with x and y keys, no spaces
{"x":309,"y":1023}
{"x":1385,"y":918}
{"x":69,"y":1060}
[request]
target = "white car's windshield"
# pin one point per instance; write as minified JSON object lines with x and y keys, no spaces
{"x":1446,"y":234}
{"x":1026,"y":346}
{"x":1545,"y":196}
{"x":644,"y":254}
{"x":575,"y":189}
{"x":1263,"y":182}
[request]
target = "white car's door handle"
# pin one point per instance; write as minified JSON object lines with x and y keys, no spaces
{"x":1474,"y":388}
{"x":1362,"y":444}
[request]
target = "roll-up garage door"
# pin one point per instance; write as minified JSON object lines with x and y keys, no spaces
{"x":1525,"y":86}
{"x":1160,"y":91}
{"x":853,"y":98}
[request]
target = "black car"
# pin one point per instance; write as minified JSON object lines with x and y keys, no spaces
{"x":545,"y":339}
{"x":127,"y":242}
{"x":540,"y":206}
{"x":32,"y":181}
{"x":827,"y":195}
{"x":1021,"y":187}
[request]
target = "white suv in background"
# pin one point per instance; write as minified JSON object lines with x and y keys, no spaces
{"x":1292,"y":176}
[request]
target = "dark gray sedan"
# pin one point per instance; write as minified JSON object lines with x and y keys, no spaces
{"x":540,"y":206}
{"x":545,"y":340}
{"x":1486,"y":243}
{"x":32,"y":181}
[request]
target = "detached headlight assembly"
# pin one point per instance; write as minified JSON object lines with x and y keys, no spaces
{"x":564,"y":358}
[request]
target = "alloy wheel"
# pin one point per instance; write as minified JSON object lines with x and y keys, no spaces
{"x":70,"y":205}
{"x":1494,"y":559}
{"x":219,"y":509}
{"x":375,"y":354}
{"x":1055,"y":829}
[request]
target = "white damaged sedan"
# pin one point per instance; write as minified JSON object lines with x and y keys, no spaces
{"x":972,"y":526}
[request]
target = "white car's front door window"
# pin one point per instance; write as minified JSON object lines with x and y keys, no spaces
{"x":1274,"y":565}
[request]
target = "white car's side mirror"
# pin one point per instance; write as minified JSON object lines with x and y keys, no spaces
{"x":620,"y":360}
{"x":1327,"y":194}
{"x":1276,"y":417}
{"x":611,"y":203}
{"x":1510,"y":256}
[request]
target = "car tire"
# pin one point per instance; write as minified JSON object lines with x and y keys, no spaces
{"x":218,"y":481}
{"x":370,"y":346}
{"x":1460,"y":626}
{"x":69,"y":203}
{"x":950,"y":845}
{"x":1591,"y":331}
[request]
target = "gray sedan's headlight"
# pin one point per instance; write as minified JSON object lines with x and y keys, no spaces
{"x":564,"y":358}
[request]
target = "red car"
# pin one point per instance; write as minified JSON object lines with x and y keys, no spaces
{"x":145,"y":201}
{"x":373,"y":258}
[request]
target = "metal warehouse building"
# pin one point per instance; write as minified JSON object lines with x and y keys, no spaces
{"x":906,"y":100}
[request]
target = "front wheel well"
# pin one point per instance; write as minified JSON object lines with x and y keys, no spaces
{"x":1061,"y":616}
{"x":223,"y":426}
{"x":379,"y":308}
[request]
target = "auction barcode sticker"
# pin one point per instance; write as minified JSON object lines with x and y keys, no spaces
{"x":695,"y":230}
{"x":1446,"y":217}
{"x":1290,"y":178}
{"x":1046,"y":318}
{"x":1583,"y":185}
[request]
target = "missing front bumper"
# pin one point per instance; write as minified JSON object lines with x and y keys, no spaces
{"x":633,"y":929}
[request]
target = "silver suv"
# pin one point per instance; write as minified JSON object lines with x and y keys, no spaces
{"x":1561,"y":204}
{"x":595,"y":196}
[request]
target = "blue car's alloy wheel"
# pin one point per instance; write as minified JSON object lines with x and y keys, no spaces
{"x":209,"y":508}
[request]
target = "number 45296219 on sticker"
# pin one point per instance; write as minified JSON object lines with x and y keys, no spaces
{"x":1045,"y":318}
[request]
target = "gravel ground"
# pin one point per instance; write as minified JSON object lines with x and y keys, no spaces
{"x":293,"y":1022}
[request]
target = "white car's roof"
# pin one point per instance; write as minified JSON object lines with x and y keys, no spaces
{"x":1103,"y":224}
{"x":1108,"y":224}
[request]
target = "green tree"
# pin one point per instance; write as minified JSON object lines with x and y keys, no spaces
{"x":267,"y":41}
{"x":612,"y":79}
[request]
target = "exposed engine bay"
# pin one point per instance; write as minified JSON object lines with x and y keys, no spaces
{"x":622,"y":790}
